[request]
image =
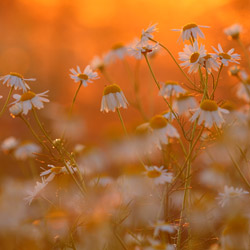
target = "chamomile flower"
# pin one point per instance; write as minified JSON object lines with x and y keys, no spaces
{"x":158,"y":175}
{"x":230,"y":194}
{"x":99,"y":63}
{"x":164,"y":227}
{"x":147,"y":33}
{"x":37,"y":191}
{"x":210,"y":113}
{"x":209,"y":62}
{"x":16,"y":80}
{"x":117,"y":51}
{"x":26,"y":150}
{"x":16,"y":109}
{"x":138,"y":48}
{"x":113,"y":98}
{"x":183,"y":103}
{"x":9,"y":144}
{"x":191,"y":31}
{"x":191,"y":56}
{"x":243,"y":90}
{"x":226,"y":57}
{"x":170,"y":88}
{"x":30,"y":100}
{"x":84,"y":77}
{"x":233,"y":31}
{"x":162,"y":130}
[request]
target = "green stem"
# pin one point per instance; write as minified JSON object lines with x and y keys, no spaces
{"x":7,"y":101}
{"x":123,"y":125}
{"x":216,"y":82}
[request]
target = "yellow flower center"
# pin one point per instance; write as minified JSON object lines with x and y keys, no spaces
{"x":194,"y":57}
{"x":16,"y":74}
{"x":209,"y":105}
{"x":171,"y":83}
{"x":117,"y":46}
{"x":225,"y":56}
{"x":228,"y":105}
{"x":56,"y":170}
{"x":143,"y":129}
{"x":158,"y":122}
{"x":153,"y":173}
{"x":83,"y":77}
{"x":189,"y":26}
{"x":208,"y":56}
{"x":27,"y":96}
{"x":113,"y":88}
{"x":183,"y":97}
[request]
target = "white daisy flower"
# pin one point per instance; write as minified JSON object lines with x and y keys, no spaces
{"x":113,"y":98}
{"x":29,"y":99}
{"x":243,"y":89}
{"x":16,"y":109}
{"x":230,"y":194}
{"x":138,"y":48}
{"x":164,"y":227}
{"x":147,"y":33}
{"x":183,"y":103}
{"x":26,"y":150}
{"x":16,"y":80}
{"x":37,"y":191}
{"x":84,"y":77}
{"x":9,"y":144}
{"x":53,"y":171}
{"x":158,"y":175}
{"x":233,"y":31}
{"x":170,"y":88}
{"x":210,"y":113}
{"x":225,"y":57}
{"x":209,"y":62}
{"x":192,"y":56}
{"x":162,"y":130}
{"x":191,"y":31}
{"x":117,"y":51}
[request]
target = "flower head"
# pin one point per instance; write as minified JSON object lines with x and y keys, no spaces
{"x":191,"y":56}
{"x":233,"y":31}
{"x":9,"y":144}
{"x":26,"y":150}
{"x":210,"y":113}
{"x":170,"y":88}
{"x":16,"y":109}
{"x":117,"y":51}
{"x":16,"y":80}
{"x":226,"y":57}
{"x":29,"y":100}
{"x":191,"y":31}
{"x":158,"y":175}
{"x":84,"y":77}
{"x":147,"y":33}
{"x":113,"y":98}
{"x":209,"y":62}
{"x":183,"y":103}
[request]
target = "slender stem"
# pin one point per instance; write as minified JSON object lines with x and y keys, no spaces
{"x":71,"y":108}
{"x":120,"y":240}
{"x":216,"y":82}
{"x":245,"y":51}
{"x":7,"y":101}
{"x":123,"y":125}
{"x":190,"y":81}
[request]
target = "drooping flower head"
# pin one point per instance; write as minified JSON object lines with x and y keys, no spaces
{"x":85,"y":77}
{"x":191,"y":31}
{"x":170,"y":88}
{"x":29,"y":100}
{"x":233,"y":31}
{"x":16,"y":80}
{"x":192,"y":55}
{"x":26,"y":149}
{"x":113,"y":98}
{"x":210,"y":113}
{"x":147,"y":33}
{"x":209,"y":62}
{"x":183,"y":103}
{"x":226,"y":57}
{"x":158,"y":175}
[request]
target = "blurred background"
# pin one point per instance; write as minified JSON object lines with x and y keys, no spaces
{"x":45,"y":38}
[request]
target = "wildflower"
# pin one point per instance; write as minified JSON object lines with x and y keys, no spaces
{"x":164,"y":227}
{"x":37,"y":191}
{"x":84,"y":77}
{"x":192,"y":56}
{"x":138,"y":48}
{"x":233,"y":31}
{"x":16,"y":80}
{"x":183,"y":103}
{"x":162,"y":130}
{"x":26,"y":150}
{"x":9,"y":144}
{"x":147,"y":33}
{"x":191,"y":31}
{"x":209,"y":63}
{"x":234,"y":70}
{"x":225,"y":57}
{"x":113,"y":98}
{"x":170,"y":88}
{"x":29,"y":99}
{"x":243,"y":91}
{"x":210,"y":113}
{"x":100,"y":62}
{"x":16,"y":109}
{"x":117,"y":51}
{"x":230,"y":193}
{"x":159,"y":175}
